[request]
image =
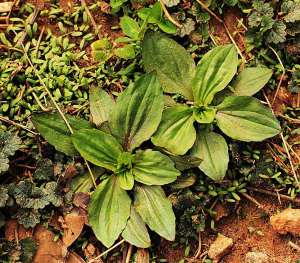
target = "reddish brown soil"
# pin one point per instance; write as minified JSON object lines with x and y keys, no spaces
{"x":247,"y":218}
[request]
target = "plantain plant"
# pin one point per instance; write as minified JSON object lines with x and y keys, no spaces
{"x":190,"y":126}
{"x":132,"y":171}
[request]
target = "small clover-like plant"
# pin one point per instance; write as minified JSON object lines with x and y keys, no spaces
{"x":132,"y":120}
{"x":239,"y":116}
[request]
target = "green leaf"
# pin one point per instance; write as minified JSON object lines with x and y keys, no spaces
{"x":214,"y":72}
{"x":184,"y":182}
{"x":109,"y":210}
{"x":135,"y":231}
{"x":126,"y":180}
{"x":152,"y":15}
{"x":126,"y":52}
{"x":204,"y":114}
{"x":246,"y":119}
{"x":251,"y":80}
{"x":98,"y":147}
{"x":213,"y":150}
{"x":53,"y":128}
{"x":174,"y":65}
{"x":185,"y":162}
{"x":176,"y":131}
{"x":137,"y":112}
{"x":101,"y":105}
{"x":115,"y":4}
{"x":167,"y":26}
{"x":156,"y":210}
{"x":130,"y":27}
{"x":28,"y":248}
{"x":154,"y":168}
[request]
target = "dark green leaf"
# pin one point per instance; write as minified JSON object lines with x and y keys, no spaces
{"x":135,"y":231}
{"x":109,"y":210}
{"x":214,"y":72}
{"x":28,"y":247}
{"x":98,"y":147}
{"x":154,"y":168}
{"x":53,"y":128}
{"x":176,"y":131}
{"x":156,"y":210}
{"x":174,"y":66}
{"x":184,"y":182}
{"x":185,"y":162}
{"x":246,"y":119}
{"x":101,"y":105}
{"x":137,"y":112}
{"x":213,"y":150}
{"x":251,"y":80}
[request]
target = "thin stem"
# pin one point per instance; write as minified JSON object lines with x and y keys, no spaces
{"x":17,"y":124}
{"x":167,"y":14}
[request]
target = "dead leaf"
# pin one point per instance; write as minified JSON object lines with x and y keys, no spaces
{"x":74,"y":258}
{"x":49,"y":251}
{"x":72,"y":224}
{"x":13,"y":230}
{"x":6,"y":7}
{"x":81,"y":200}
{"x":221,"y":211}
{"x":66,"y":5}
{"x":142,"y":256}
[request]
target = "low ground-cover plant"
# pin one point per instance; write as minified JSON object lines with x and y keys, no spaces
{"x":132,"y":121}
{"x":190,"y":125}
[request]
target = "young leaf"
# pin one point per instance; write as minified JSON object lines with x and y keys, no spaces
{"x":53,"y":128}
{"x":246,"y":119}
{"x":126,"y":52}
{"x":156,"y":210}
{"x":154,"y":168}
{"x":109,"y":210}
{"x":204,"y":114}
{"x":98,"y":147}
{"x":126,"y":180}
{"x":213,"y":150}
{"x":214,"y":72}
{"x":135,"y":231}
{"x":176,"y":131}
{"x":137,"y":112}
{"x":174,"y":66}
{"x":101,"y":105}
{"x":130,"y":27}
{"x":251,"y":80}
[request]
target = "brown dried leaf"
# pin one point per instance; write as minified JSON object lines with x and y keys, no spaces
{"x":13,"y":230}
{"x":142,"y":256}
{"x":74,"y":258}
{"x":6,"y":6}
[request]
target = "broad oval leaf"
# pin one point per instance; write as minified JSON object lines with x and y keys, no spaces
{"x":213,"y":150}
{"x":251,"y":80}
{"x":136,"y":232}
{"x":174,"y":66}
{"x":101,"y":105}
{"x":176,"y":132}
{"x":98,"y":147}
{"x":137,"y":112}
{"x":246,"y":119}
{"x":54,"y":129}
{"x":213,"y":73}
{"x":154,"y":168}
{"x":130,"y":27}
{"x":155,"y":209}
{"x":109,"y":210}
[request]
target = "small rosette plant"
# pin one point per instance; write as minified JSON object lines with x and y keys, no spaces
{"x":131,"y":172}
{"x":189,"y":126}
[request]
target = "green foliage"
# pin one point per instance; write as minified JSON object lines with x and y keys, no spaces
{"x":28,"y":247}
{"x":132,"y":121}
{"x":9,"y":144}
{"x":242,"y":118}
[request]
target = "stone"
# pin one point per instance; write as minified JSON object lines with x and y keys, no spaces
{"x":257,"y":257}
{"x":287,"y":221}
{"x":220,"y":247}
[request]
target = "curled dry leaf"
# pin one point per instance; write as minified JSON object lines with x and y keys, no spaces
{"x":73,"y":224}
{"x":13,"y":230}
{"x":142,"y":256}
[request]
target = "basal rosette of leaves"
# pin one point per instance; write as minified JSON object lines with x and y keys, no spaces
{"x":188,"y":126}
{"x":131,"y":121}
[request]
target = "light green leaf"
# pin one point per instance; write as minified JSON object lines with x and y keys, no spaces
{"x":101,"y":105}
{"x":137,"y":112}
{"x":176,"y":131}
{"x":126,"y":52}
{"x":126,"y":180}
{"x":109,"y":210}
{"x":154,"y":168}
{"x":251,"y":80}
{"x":174,"y":65}
{"x":213,"y":150}
{"x":156,"y":210}
{"x":53,"y":128}
{"x":214,"y":72}
{"x":98,"y":147}
{"x":153,"y":15}
{"x":136,"y":232}
{"x":204,"y":114}
{"x":130,"y":27}
{"x":246,"y":119}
